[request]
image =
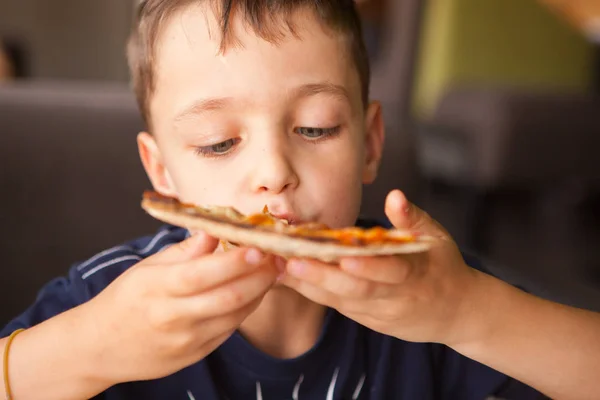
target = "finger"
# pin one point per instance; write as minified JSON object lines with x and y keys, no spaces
{"x":232,"y":296}
{"x":205,"y":348}
{"x":171,"y":315}
{"x":188,"y":249}
{"x":398,"y":209}
{"x":388,"y":270}
{"x":213,"y":344}
{"x":405,"y":215}
{"x":336,"y":281}
{"x":199,"y":275}
{"x":311,"y":292}
{"x":223,"y":324}
{"x":327,"y":299}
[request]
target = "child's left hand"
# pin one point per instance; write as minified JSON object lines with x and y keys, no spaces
{"x":421,"y":297}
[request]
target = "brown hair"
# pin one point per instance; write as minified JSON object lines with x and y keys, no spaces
{"x":338,"y":15}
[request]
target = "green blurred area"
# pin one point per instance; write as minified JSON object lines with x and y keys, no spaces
{"x":498,"y":43}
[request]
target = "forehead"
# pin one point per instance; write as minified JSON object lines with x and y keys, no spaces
{"x":189,"y":64}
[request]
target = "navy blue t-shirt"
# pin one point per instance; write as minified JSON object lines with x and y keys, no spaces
{"x":349,"y":361}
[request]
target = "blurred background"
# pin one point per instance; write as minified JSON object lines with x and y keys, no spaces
{"x":492,"y":109}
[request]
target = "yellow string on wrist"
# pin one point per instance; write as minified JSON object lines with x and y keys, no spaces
{"x":5,"y":362}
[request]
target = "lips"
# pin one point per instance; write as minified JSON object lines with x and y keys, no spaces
{"x":285,"y":216}
{"x":290,"y":219}
{"x":301,"y":224}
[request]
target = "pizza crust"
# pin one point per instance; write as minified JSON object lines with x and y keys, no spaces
{"x":274,"y":242}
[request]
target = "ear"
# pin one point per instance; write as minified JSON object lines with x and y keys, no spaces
{"x":154,"y":166}
{"x":374,"y":139}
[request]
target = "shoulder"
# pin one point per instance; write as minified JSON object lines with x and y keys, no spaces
{"x":104,"y":267}
{"x":88,"y":278}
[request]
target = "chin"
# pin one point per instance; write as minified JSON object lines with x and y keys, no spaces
{"x":279,"y":288}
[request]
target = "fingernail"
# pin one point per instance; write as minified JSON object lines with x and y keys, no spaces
{"x":254,"y":257}
{"x":296,"y":267}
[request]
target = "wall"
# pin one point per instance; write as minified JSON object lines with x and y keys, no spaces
{"x":503,"y":43}
{"x":75,"y":39}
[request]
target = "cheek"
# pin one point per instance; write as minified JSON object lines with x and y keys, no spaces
{"x":197,"y":181}
{"x":344,"y":165}
{"x":337,"y":181}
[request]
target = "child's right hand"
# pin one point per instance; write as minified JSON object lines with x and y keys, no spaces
{"x":174,"y":308}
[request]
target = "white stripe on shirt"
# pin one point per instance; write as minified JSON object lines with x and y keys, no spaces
{"x":109,"y":263}
{"x":148,"y":249}
{"x":297,"y":387}
{"x":258,"y":391}
{"x":331,"y":390}
{"x":154,"y":241}
{"x":100,"y":255}
{"x":359,"y":387}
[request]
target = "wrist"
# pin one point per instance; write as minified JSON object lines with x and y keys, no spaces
{"x":95,"y":368}
{"x":53,"y":359}
{"x":484,"y":300}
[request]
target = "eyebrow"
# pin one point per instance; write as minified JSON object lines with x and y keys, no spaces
{"x":318,"y":88}
{"x":204,"y":106}
{"x":215,"y":104}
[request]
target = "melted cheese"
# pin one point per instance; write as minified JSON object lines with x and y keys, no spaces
{"x":348,"y":236}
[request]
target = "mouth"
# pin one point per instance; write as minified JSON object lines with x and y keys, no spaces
{"x":288,"y":219}
{"x":300,"y":224}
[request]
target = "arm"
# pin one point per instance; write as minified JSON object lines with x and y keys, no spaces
{"x":436,"y":298}
{"x":55,"y":358}
{"x":551,"y":347}
{"x":163,"y":314}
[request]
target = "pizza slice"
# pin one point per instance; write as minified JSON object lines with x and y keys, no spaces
{"x":276,"y":236}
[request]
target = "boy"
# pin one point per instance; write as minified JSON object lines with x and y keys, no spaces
{"x":265,"y":102}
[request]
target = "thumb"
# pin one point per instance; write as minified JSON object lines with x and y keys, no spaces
{"x":405,"y":215}
{"x":197,"y":245}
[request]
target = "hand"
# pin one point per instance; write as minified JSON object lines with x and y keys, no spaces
{"x":419,"y":297}
{"x":176,"y":307}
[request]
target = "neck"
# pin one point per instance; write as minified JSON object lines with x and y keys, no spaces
{"x":285,"y":325}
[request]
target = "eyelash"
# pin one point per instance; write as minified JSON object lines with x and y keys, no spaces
{"x":210,"y":152}
{"x":325,"y":132}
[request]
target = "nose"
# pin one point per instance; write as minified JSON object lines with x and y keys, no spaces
{"x":273,"y":170}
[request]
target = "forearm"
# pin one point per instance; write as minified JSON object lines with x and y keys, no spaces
{"x":551,"y":347}
{"x":54,"y":360}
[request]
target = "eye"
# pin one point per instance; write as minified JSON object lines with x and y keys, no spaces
{"x":317,"y":133}
{"x":217,"y":150}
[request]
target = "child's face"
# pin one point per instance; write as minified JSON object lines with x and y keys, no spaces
{"x":281,"y":125}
